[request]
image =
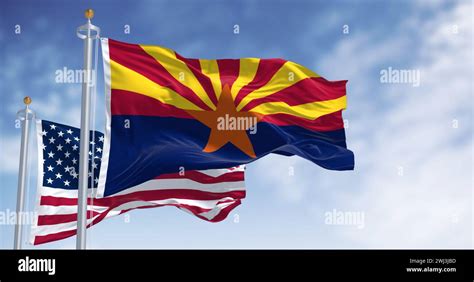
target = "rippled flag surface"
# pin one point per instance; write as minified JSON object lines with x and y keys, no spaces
{"x":207,"y":194}
{"x":168,"y":112}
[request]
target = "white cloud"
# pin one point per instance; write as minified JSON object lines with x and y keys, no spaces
{"x":10,"y":154}
{"x":64,"y":107}
{"x":282,"y":179}
{"x":416,"y":210}
{"x":419,"y":135}
{"x":430,"y":206}
{"x":56,"y":102}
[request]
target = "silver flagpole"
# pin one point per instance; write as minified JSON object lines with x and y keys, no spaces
{"x":25,"y":116}
{"x":88,"y":33}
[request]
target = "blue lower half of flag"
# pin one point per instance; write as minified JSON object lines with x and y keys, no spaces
{"x":142,"y":147}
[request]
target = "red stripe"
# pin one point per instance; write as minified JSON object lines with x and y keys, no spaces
{"x":153,"y":195}
{"x":135,"y":58}
{"x":328,"y":122}
{"x":204,"y":80}
{"x":62,"y":218}
{"x":265,"y":71}
{"x":228,"y":71}
{"x":308,"y":90}
{"x":130,"y":103}
{"x":40,"y":239}
{"x":204,"y":178}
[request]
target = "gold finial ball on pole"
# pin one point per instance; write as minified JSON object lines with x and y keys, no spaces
{"x":89,"y":14}
{"x":27,"y":100}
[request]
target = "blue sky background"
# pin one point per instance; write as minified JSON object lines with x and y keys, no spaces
{"x":424,"y":132}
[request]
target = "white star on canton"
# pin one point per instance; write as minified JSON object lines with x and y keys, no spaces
{"x":53,"y":126}
{"x":99,"y":150}
{"x":43,"y":147}
{"x":67,"y":154}
{"x":74,"y":161}
{"x":59,"y":147}
{"x":43,"y":133}
{"x":89,"y":174}
{"x":92,"y":143}
{"x":50,"y":181}
{"x":96,"y":180}
{"x":67,"y":168}
{"x":76,"y":138}
{"x":94,"y":165}
{"x":50,"y":168}
{"x":101,"y":139}
{"x":59,"y":162}
{"x":51,"y":140}
{"x":74,"y":175}
{"x":51,"y":155}
{"x":90,"y":153}
{"x":69,"y":131}
{"x":74,"y":147}
{"x":67,"y":140}
{"x":66,"y":183}
{"x":60,"y":134}
{"x":58,"y":175}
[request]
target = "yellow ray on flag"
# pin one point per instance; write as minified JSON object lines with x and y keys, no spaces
{"x":211,"y":69}
{"x":247,"y":70}
{"x":309,"y":111}
{"x":126,"y":79}
{"x":289,"y":74}
{"x":179,"y":70}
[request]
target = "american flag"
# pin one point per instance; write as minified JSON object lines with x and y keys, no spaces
{"x":208,"y":194}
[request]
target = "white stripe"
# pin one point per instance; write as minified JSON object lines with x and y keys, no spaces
{"x":60,"y":227}
{"x":220,"y":171}
{"x":208,"y":204}
{"x":63,"y":193}
{"x":106,"y":149}
{"x":166,"y":184}
{"x":54,"y":210}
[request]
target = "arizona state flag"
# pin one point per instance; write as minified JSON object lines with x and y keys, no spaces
{"x":167,"y":113}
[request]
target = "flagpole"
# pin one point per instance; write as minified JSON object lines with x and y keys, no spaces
{"x":24,"y":116}
{"x":85,"y":32}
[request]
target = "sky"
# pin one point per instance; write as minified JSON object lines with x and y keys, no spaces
{"x":412,"y":186}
